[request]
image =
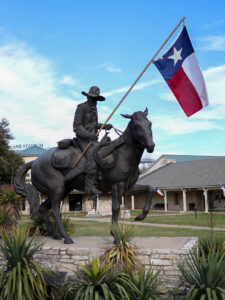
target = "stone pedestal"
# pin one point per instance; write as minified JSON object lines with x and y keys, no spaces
{"x":125,"y":213}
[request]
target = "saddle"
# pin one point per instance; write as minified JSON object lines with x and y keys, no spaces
{"x":68,"y":151}
{"x":65,"y":155}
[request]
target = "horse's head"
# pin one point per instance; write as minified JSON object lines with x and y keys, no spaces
{"x":141,"y":129}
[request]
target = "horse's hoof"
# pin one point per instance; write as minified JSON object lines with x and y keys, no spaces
{"x":57,"y":236}
{"x":140,"y":217}
{"x":68,"y":241}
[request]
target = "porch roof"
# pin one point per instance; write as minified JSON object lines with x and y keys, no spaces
{"x":188,"y":174}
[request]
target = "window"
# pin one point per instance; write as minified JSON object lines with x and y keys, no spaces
{"x":176,"y":200}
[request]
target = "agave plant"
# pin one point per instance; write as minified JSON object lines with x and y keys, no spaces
{"x":39,"y":226}
{"x":21,"y":278}
{"x":5,"y":219}
{"x":122,"y":254}
{"x":10,"y":204}
{"x":205,"y":275}
{"x":99,"y":281}
{"x":147,"y":284}
{"x":214,"y":244}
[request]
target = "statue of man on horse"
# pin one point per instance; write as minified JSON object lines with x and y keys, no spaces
{"x":53,"y":175}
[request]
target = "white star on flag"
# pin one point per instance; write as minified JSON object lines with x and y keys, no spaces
{"x":176,"y":55}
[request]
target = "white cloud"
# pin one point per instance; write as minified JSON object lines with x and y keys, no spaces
{"x":212,"y":43}
{"x":29,"y":98}
{"x":110,"y":68}
{"x":68,"y":80}
{"x":168,"y":97}
{"x":139,"y":86}
{"x":179,"y":125}
{"x":214,"y":24}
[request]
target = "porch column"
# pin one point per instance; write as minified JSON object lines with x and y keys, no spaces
{"x":132,"y":202}
{"x":184,"y":200}
{"x":165,"y":200}
{"x":205,"y":193}
{"x":122,"y":201}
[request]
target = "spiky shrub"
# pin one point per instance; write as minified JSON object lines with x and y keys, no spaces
{"x":205,"y":275}
{"x":39,"y":226}
{"x":10,"y":207}
{"x":100,"y":281}
{"x":148,"y":285}
{"x":21,"y":278}
{"x":5,"y":219}
{"x":214,"y":244}
{"x":122,"y":254}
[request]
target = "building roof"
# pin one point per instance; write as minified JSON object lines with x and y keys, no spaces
{"x":32,"y":151}
{"x":180,"y":158}
{"x":188,"y":174}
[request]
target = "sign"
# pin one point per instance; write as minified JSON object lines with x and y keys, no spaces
{"x":25,"y":146}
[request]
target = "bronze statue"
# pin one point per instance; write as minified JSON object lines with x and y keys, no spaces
{"x":86,"y":125}
{"x":49,"y":171}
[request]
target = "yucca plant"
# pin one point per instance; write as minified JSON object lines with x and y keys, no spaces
{"x":97,"y":280}
{"x":146,"y":282}
{"x":205,"y":275}
{"x":122,"y":254}
{"x":214,"y":244}
{"x":39,"y":226}
{"x":5,"y":219}
{"x":21,"y":278}
{"x":10,"y":202}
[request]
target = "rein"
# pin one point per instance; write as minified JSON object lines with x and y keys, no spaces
{"x":119,"y":132}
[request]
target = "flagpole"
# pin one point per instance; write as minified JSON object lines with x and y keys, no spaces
{"x":128,"y":91}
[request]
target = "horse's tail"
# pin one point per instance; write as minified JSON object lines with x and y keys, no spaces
{"x":26,"y":189}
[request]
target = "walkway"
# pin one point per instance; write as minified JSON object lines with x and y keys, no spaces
{"x":108,"y":220}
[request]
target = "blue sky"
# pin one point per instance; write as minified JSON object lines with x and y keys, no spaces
{"x":50,"y":51}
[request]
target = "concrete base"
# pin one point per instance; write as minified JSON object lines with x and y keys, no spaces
{"x":175,"y":243}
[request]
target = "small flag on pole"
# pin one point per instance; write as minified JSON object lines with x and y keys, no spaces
{"x":180,"y":69}
{"x":223,"y":189}
{"x":160,"y":193}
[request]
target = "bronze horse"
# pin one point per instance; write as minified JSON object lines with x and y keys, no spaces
{"x":118,"y":179}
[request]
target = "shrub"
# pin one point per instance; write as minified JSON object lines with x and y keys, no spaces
{"x":214,"y":244}
{"x":98,"y":281}
{"x":204,"y":275}
{"x":21,"y":278}
{"x":123,"y":252}
{"x":10,"y":207}
{"x":147,"y":284}
{"x":38,"y":225}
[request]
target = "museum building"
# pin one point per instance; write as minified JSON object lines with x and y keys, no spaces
{"x":188,"y":182}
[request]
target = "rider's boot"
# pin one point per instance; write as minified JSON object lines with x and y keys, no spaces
{"x":89,"y":185}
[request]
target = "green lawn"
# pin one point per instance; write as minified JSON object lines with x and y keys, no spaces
{"x":93,"y":228}
{"x":203,"y":219}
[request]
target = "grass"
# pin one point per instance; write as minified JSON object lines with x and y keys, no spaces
{"x":189,"y":219}
{"x":93,"y":228}
{"x":203,"y":219}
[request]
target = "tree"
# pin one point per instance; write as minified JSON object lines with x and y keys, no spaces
{"x":10,"y":161}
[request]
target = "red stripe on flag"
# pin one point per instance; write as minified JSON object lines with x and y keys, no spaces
{"x":185,"y":92}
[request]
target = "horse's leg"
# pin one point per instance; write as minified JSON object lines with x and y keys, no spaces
{"x":118,"y":190}
{"x":43,"y":209}
{"x":146,"y":208}
{"x":55,"y":202}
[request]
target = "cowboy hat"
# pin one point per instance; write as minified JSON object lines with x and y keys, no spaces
{"x":94,"y":92}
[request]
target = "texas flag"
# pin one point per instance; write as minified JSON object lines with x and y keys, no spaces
{"x":180,"y":69}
